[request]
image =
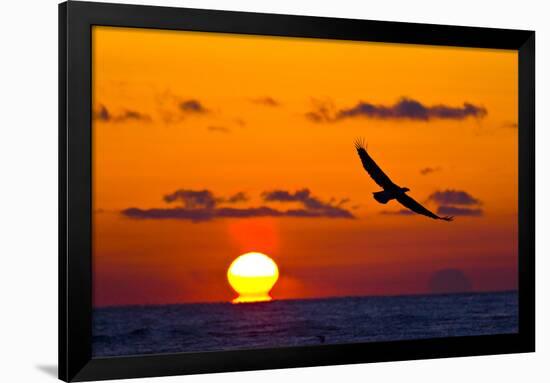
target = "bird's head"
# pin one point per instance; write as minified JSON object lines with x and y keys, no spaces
{"x":405,"y":189}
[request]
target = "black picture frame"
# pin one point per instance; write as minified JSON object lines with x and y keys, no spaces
{"x":75,"y":189}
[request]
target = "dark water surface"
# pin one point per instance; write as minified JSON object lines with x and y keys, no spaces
{"x":131,"y":330}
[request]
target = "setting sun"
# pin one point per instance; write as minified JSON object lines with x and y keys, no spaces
{"x":252,"y":276}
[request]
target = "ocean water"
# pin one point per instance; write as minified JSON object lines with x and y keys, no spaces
{"x":131,"y":330}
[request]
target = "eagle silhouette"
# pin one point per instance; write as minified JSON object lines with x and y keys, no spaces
{"x":391,"y":190}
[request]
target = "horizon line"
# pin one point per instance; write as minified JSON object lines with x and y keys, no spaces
{"x":229,"y":302}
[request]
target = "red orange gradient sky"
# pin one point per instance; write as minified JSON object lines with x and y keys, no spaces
{"x":207,"y":146}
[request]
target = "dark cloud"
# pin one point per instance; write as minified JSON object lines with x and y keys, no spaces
{"x":449,"y":281}
{"x":133,"y":115}
{"x":202,"y":205}
{"x":343,"y":201}
{"x":428,"y":170}
{"x":219,"y":129}
{"x":459,"y":211}
{"x":412,"y":109}
{"x":321,"y":114}
{"x":314,"y":207}
{"x":268,"y":101}
{"x":450,"y":203}
{"x":198,"y":215}
{"x":202,"y":199}
{"x":405,"y":108}
{"x":397,"y":212}
{"x":192,"y":199}
{"x":286,"y":196}
{"x":236,"y":198}
{"x":323,"y":110}
{"x":173,"y":108}
{"x":192,"y":106}
{"x":315,"y":117}
{"x":453,"y":197}
{"x":456,"y":203}
{"x":103,"y":114}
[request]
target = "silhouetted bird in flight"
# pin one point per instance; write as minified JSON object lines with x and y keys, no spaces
{"x":391,"y":190}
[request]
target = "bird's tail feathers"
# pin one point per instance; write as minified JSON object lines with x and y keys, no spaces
{"x":360,"y":143}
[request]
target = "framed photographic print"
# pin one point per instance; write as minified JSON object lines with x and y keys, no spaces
{"x":325,"y":191}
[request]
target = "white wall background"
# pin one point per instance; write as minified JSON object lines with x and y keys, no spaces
{"x":28,"y":189}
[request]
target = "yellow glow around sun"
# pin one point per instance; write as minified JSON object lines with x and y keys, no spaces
{"x":252,"y":276}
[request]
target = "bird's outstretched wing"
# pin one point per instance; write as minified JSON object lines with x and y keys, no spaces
{"x":410,"y":203}
{"x":372,"y":168}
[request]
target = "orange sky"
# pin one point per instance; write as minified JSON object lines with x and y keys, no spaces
{"x":228,"y":114}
